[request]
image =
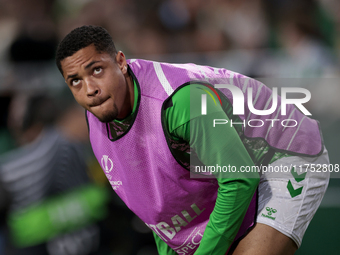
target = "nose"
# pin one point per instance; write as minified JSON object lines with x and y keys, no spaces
{"x":92,"y":89}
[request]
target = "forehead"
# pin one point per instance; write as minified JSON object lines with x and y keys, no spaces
{"x":80,"y":59}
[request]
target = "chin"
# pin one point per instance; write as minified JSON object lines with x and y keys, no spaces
{"x":108,"y":117}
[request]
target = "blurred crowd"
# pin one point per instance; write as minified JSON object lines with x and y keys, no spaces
{"x":303,"y":32}
{"x":156,"y":27}
{"x":43,"y":131}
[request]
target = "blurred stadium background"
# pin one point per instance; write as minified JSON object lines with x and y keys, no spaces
{"x":293,"y":42}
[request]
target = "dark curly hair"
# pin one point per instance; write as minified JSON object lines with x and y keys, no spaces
{"x":82,"y":37}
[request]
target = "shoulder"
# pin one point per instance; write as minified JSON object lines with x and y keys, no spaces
{"x":186,"y":104}
{"x":192,"y":96}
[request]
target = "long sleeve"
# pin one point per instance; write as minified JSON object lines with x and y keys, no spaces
{"x":218,"y":145}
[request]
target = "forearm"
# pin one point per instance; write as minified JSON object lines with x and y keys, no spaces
{"x":231,"y":205}
{"x":235,"y":189}
{"x":215,"y":145}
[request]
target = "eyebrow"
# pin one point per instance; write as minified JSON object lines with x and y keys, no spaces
{"x":86,"y":67}
{"x":71,"y":76}
{"x":89,"y":65}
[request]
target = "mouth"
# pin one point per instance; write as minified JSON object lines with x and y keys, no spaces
{"x":98,"y":102}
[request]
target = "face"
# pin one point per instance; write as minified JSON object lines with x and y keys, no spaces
{"x":99,"y":83}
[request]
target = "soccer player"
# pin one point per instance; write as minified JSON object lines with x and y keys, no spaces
{"x":168,"y":156}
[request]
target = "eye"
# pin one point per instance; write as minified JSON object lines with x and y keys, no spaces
{"x":97,"y":70}
{"x":75,"y":82}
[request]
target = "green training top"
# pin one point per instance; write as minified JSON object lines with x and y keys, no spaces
{"x":185,"y":123}
{"x":213,"y":145}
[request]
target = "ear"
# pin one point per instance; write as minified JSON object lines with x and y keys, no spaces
{"x":121,"y":61}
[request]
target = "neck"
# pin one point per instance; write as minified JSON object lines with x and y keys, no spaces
{"x":129,"y":99}
{"x":131,"y":91}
